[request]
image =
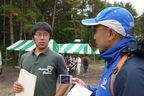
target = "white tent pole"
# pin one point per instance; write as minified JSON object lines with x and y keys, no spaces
{"x":19,"y":58}
{"x":94,"y":59}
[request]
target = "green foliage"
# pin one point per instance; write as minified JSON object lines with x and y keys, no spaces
{"x":3,"y":50}
{"x":127,"y":6}
{"x":95,"y":6}
{"x":139,"y":29}
{"x":9,"y":9}
{"x":67,"y":25}
{"x":3,"y":53}
{"x":46,"y":9}
{"x":63,"y":32}
{"x":43,"y":19}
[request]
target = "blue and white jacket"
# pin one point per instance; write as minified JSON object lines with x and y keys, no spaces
{"x":112,"y":56}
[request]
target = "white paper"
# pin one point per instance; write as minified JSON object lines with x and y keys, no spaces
{"x":79,"y":90}
{"x":28,"y":81}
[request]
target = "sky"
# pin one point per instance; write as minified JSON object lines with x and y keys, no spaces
{"x":137,"y":4}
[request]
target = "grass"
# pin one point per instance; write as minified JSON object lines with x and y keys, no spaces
{"x":8,"y":67}
{"x":97,"y":65}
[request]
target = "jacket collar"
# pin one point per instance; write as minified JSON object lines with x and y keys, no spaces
{"x":113,"y":53}
{"x":45,"y":52}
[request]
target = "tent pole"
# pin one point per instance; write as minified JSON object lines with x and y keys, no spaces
{"x":94,"y":59}
{"x":19,"y":58}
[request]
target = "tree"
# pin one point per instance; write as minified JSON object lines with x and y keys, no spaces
{"x":46,"y":9}
{"x":4,"y":25}
{"x":139,"y":26}
{"x":54,"y":9}
{"x":25,"y":18}
{"x":64,"y":27}
{"x":22,"y":8}
{"x":94,"y":7}
{"x":75,"y":5}
{"x":11,"y":34}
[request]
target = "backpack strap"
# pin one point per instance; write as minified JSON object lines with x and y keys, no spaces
{"x":116,"y":70}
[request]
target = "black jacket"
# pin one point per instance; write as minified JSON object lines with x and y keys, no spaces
{"x":85,"y":61}
{"x":130,"y":79}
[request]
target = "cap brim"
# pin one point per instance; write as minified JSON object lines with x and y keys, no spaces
{"x":89,"y":22}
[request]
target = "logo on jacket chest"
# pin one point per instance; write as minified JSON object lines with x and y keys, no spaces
{"x":104,"y":83}
{"x":47,"y":70}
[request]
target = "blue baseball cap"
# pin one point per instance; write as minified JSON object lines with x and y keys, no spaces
{"x":120,"y":19}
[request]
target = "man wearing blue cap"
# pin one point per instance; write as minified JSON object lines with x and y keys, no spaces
{"x":114,"y":38}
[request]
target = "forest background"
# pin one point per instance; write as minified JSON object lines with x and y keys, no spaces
{"x":17,"y":18}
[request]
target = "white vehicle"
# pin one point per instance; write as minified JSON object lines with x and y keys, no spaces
{"x":0,"y":64}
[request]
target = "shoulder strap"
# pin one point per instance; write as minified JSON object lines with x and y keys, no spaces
{"x":116,"y":70}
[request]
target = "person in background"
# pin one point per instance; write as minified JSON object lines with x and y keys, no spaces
{"x":85,"y":65}
{"x":78,"y":67}
{"x":75,"y":59}
{"x":44,"y":63}
{"x":70,"y":59}
{"x":72,"y":66}
{"x":68,"y":68}
{"x":114,"y":37}
{"x":66,"y":58}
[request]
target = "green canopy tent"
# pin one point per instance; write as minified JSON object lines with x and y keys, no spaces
{"x":76,"y":48}
{"x":97,"y":51}
{"x":28,"y":45}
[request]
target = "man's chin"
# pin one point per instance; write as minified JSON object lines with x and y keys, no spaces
{"x":100,"y":51}
{"x":43,"y":48}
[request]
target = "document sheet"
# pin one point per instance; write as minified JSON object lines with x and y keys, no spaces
{"x":79,"y":90}
{"x":28,"y":81}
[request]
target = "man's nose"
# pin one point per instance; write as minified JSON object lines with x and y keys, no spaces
{"x":42,"y":36}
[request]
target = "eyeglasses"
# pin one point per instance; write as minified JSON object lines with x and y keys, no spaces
{"x":44,"y":35}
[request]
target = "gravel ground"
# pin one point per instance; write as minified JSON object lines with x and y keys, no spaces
{"x":10,"y":74}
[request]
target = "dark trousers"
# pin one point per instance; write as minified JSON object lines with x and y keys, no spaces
{"x":85,"y":69}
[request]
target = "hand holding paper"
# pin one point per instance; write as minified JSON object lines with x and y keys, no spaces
{"x":79,"y":90}
{"x":78,"y":81}
{"x":28,"y":81}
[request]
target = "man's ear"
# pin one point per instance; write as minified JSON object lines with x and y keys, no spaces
{"x":32,"y":38}
{"x":111,"y":34}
